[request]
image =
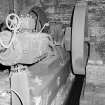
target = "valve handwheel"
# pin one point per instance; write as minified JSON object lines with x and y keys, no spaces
{"x":13,"y":22}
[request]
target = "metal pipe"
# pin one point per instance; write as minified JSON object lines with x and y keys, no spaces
{"x":11,"y":6}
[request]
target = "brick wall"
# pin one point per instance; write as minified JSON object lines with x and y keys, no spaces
{"x":56,"y":10}
{"x":96,"y":24}
{"x":96,"y":17}
{"x":61,"y":10}
{"x":4,"y":7}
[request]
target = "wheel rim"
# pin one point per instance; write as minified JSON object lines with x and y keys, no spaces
{"x":78,"y":34}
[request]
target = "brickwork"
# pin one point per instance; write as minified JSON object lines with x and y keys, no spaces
{"x":56,"y":10}
{"x":3,"y":11}
{"x":94,"y":93}
{"x":4,"y":88}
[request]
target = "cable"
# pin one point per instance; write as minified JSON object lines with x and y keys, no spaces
{"x":17,"y":96}
{"x":46,"y":24}
{"x":11,"y":41}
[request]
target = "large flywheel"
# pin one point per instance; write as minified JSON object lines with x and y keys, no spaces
{"x":79,"y":31}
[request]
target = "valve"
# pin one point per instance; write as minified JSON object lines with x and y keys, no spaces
{"x":13,"y":22}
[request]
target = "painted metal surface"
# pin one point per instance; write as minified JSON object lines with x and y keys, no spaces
{"x":51,"y":80}
{"x":20,"y":89}
{"x":45,"y":83}
{"x":78,"y":34}
{"x":4,"y":88}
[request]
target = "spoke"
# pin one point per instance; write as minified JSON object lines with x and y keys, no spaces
{"x":9,"y":18}
{"x":15,"y":20}
{"x":11,"y":25}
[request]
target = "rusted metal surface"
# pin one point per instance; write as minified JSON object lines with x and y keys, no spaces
{"x":52,"y":81}
{"x":4,"y":88}
{"x":20,"y":88}
{"x":48,"y":81}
